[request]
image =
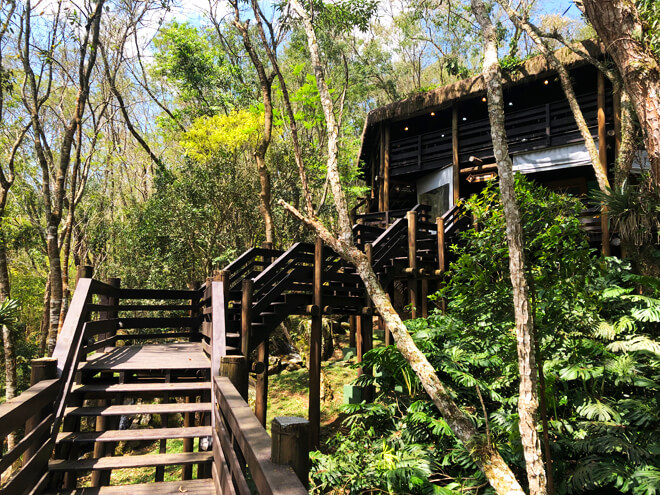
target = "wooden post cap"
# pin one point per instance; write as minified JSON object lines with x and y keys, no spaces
{"x":43,"y":369}
{"x":290,"y":444}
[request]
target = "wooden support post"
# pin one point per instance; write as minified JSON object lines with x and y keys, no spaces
{"x":412,"y":261}
{"x":41,"y":369}
{"x":315,"y":345}
{"x":366,"y":324}
{"x":388,"y":334}
{"x":602,"y":153}
{"x":261,"y":383}
{"x":188,"y":418}
{"x":290,"y":445}
{"x":359,"y":344}
{"x":440,"y":222}
{"x":235,"y":368}
{"x":425,"y":298}
{"x":246,"y":317}
{"x":455,"y":157}
{"x":101,"y":478}
{"x":386,"y":167}
{"x":351,"y":331}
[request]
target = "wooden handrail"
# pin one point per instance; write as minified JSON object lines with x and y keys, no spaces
{"x":16,"y":410}
{"x":234,"y":420}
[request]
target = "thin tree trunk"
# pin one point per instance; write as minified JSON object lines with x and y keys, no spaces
{"x":7,"y":337}
{"x":618,"y":25}
{"x":532,"y":31}
{"x":43,"y":327}
{"x":528,"y":398}
{"x":265,"y":82}
{"x":486,"y":457}
{"x":626,"y":155}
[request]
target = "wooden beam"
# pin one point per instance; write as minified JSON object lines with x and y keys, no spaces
{"x":479,"y":168}
{"x":602,"y":153}
{"x":454,"y":148}
{"x":315,"y":343}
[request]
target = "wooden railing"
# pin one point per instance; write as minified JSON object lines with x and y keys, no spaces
{"x":542,"y":126}
{"x":29,"y":417}
{"x":242,"y":449}
{"x":249,"y":265}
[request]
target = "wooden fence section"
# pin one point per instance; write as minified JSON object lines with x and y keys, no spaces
{"x":29,"y":417}
{"x":542,"y":126}
{"x":241,"y":445}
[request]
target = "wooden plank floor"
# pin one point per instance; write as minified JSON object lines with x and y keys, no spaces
{"x":174,"y":356}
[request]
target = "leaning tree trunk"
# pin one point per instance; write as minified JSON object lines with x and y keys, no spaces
{"x":618,"y":25}
{"x":528,"y":399}
{"x":484,"y":455}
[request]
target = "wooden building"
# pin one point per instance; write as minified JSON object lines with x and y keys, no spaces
{"x":435,"y":147}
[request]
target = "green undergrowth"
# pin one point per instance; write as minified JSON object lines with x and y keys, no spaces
{"x":288,"y":391}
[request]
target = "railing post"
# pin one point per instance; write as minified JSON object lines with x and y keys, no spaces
{"x":290,"y":445}
{"x":315,"y":349}
{"x":412,"y":261}
{"x":235,"y":368}
{"x":246,"y":317}
{"x":41,"y":369}
{"x":84,"y":271}
{"x":195,"y":334}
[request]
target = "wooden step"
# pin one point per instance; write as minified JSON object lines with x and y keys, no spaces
{"x":133,"y":409}
{"x":99,"y":390}
{"x":190,"y":487}
{"x":144,"y":434}
{"x":130,"y":461}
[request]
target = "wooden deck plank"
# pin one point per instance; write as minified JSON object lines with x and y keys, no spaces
{"x":144,"y":434}
{"x":173,"y":356}
{"x":172,"y":388}
{"x":130,"y":461}
{"x":127,"y":410}
{"x":190,"y":487}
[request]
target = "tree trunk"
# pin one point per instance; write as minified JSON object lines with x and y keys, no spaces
{"x":484,"y":455}
{"x":55,"y":279}
{"x":266,"y":83}
{"x":528,"y":399}
{"x":7,"y":337}
{"x":618,"y":25}
{"x":43,"y":327}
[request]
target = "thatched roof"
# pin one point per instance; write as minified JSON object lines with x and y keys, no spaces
{"x":443,"y":97}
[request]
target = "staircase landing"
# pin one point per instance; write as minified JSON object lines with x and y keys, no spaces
{"x":173,"y":356}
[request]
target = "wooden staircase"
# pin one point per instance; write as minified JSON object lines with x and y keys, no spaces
{"x":130,"y":354}
{"x":113,"y":389}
